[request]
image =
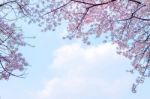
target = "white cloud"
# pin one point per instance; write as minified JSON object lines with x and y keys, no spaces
{"x":86,"y":73}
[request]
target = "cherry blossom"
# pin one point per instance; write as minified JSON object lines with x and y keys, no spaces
{"x":11,"y":37}
{"x":127,"y":21}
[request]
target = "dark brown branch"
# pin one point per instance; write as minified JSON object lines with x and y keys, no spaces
{"x":53,"y":10}
{"x":20,"y":76}
{"x":143,"y":19}
{"x":3,"y":4}
{"x":134,"y":16}
{"x":91,"y":4}
{"x":138,"y":2}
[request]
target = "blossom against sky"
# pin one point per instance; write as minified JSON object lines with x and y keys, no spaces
{"x":63,"y":69}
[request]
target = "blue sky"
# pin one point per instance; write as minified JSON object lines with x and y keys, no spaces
{"x":63,"y":69}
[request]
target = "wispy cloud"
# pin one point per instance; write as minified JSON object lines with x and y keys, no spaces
{"x":85,"y":73}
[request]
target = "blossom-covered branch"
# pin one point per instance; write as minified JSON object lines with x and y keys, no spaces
{"x":11,"y":37}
